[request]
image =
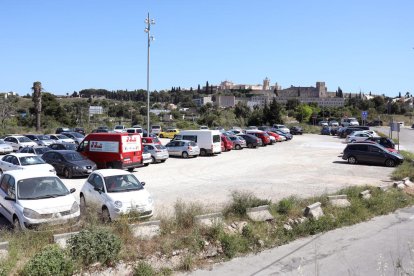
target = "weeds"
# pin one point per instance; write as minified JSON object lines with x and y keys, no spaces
{"x":241,"y":201}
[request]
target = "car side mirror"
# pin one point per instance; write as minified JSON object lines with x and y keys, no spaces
{"x":143,"y":183}
{"x":9,"y":198}
{"x":72,"y":190}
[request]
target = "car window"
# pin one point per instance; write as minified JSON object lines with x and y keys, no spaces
{"x":14,"y":160}
{"x":190,"y":137}
{"x":159,"y":147}
{"x":40,"y":150}
{"x":193,"y":144}
{"x":98,"y":182}
{"x":31,"y":160}
{"x":74,"y":156}
{"x":4,"y":183}
{"x":24,"y":139}
{"x":24,"y":150}
{"x":122,"y":183}
{"x":374,"y":149}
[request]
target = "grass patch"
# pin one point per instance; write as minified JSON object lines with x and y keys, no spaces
{"x":241,"y":201}
{"x":406,"y":169}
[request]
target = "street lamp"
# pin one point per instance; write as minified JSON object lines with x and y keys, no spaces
{"x":148,"y":22}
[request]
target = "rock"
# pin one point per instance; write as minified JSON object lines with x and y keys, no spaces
{"x":261,"y":243}
{"x":260,"y":213}
{"x":233,"y":225}
{"x":176,"y":252}
{"x":290,"y":221}
{"x":365,"y":194}
{"x":146,"y":230}
{"x":407,"y":182}
{"x":206,"y":243}
{"x":211,"y":251}
{"x":209,"y":220}
{"x":287,"y":227}
{"x":399,"y":186}
{"x":339,"y":201}
{"x":240,"y":226}
{"x":384,"y":187}
{"x":61,"y":239}
{"x":314,"y":210}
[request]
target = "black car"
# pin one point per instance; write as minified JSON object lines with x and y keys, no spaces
{"x":348,"y":130}
{"x":383,"y":141}
{"x":59,"y":130}
{"x":100,"y":130}
{"x":63,"y":146}
{"x":80,"y":130}
{"x":251,"y":140}
{"x":295,"y":130}
{"x":375,"y":123}
{"x":371,"y":154}
{"x":69,"y":163}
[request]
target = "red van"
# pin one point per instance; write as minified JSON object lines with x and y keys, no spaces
{"x":113,"y":150}
{"x":228,"y":144}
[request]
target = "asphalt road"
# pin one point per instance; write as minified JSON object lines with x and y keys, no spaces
{"x":406,"y":137}
{"x":370,"y":248}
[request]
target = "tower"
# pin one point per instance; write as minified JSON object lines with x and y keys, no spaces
{"x":322,"y":90}
{"x":266,"y":84}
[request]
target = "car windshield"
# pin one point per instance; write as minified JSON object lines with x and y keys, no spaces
{"x":122,"y":183}
{"x":24,"y":139}
{"x":43,"y":137}
{"x":31,"y":160}
{"x":160,"y":147}
{"x":77,"y":135}
{"x":41,"y":187}
{"x":156,"y":127}
{"x":70,"y":146}
{"x":119,"y":127}
{"x":41,"y":150}
{"x":74,"y":156}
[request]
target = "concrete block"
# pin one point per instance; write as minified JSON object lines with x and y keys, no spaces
{"x":384,"y":187}
{"x":365,"y":194}
{"x":260,"y":213}
{"x":146,"y":230}
{"x":340,"y":201}
{"x":314,"y":210}
{"x":61,"y":239}
{"x":4,"y":250}
{"x":407,"y":182}
{"x":209,"y":220}
{"x":399,"y":185}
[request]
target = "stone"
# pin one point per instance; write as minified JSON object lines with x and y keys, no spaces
{"x":365,"y":194}
{"x":146,"y":230}
{"x":339,"y":201}
{"x":211,"y":251}
{"x":384,"y":187}
{"x":407,"y":182}
{"x":314,"y":211}
{"x":209,"y":220}
{"x":176,"y":252}
{"x":261,"y":243}
{"x":61,"y":239}
{"x":287,"y":227}
{"x":399,"y":185}
{"x":291,"y":221}
{"x":240,"y":226}
{"x":260,"y":213}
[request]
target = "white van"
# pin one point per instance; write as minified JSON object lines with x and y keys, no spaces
{"x":209,"y":141}
{"x":349,"y":122}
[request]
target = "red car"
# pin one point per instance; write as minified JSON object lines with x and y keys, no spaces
{"x":151,"y":140}
{"x":277,"y":137}
{"x":228,"y":144}
{"x":261,"y":135}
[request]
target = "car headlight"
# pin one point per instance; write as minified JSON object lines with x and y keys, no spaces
{"x":150,"y":200}
{"x":75,"y":208}
{"x":118,"y":204}
{"x":32,"y":214}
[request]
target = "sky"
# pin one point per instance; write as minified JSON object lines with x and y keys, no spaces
{"x":70,"y":45}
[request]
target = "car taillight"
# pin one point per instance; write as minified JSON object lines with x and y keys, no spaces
{"x":190,"y":148}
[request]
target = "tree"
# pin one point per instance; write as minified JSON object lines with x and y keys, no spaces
{"x":7,"y":108}
{"x":206,"y":87}
{"x":340,"y":93}
{"x":275,"y":113}
{"x":303,"y":113}
{"x":241,"y":110}
{"x":291,"y":104}
{"x":37,"y":101}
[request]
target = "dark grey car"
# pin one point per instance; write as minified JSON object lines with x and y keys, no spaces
{"x":69,"y":163}
{"x":371,"y":154}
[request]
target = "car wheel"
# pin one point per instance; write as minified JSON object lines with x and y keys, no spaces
{"x":352,"y":160}
{"x":82,"y":204}
{"x":162,"y":161}
{"x":238,"y":147}
{"x":203,"y":152}
{"x":106,"y":217}
{"x":16,"y":224}
{"x":250,"y":145}
{"x":67,"y":173}
{"x":390,"y":163}
{"x":161,"y":136}
{"x":130,"y":169}
{"x":153,"y":160}
{"x":1,"y":171}
{"x":184,"y":154}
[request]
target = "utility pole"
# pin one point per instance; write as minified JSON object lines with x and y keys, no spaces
{"x":148,"y":22}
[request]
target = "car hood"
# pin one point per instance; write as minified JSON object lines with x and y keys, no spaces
{"x":39,"y":167}
{"x":5,"y":146}
{"x":139,"y":197}
{"x":82,"y":163}
{"x":49,"y":205}
{"x":29,"y":144}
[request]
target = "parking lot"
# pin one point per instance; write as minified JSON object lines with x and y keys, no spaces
{"x":305,"y":166}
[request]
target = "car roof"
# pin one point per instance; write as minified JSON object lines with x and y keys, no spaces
{"x":21,"y":154}
{"x":16,"y":136}
{"x":111,"y":172}
{"x":24,"y":174}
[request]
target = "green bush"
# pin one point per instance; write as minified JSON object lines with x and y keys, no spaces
{"x":241,"y":201}
{"x":232,"y":244}
{"x":285,"y":205}
{"x":94,"y":245}
{"x":144,"y":269}
{"x":184,"y":214}
{"x":49,"y":261}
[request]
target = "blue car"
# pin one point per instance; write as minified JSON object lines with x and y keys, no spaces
{"x":326,"y":131}
{"x":287,"y":135}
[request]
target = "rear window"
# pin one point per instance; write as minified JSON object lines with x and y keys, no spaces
{"x":160,"y":147}
{"x":358,"y":147}
{"x":216,"y":139}
{"x":192,"y":144}
{"x":190,"y":138}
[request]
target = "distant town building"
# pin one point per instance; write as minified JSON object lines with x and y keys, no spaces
{"x":225,"y":101}
{"x":202,"y":101}
{"x":95,"y":110}
{"x":5,"y":95}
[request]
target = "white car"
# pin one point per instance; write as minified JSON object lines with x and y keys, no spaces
{"x":357,"y":137}
{"x":4,"y":147}
{"x":282,"y":128}
{"x":25,"y":161}
{"x":19,"y":141}
{"x":146,"y":157}
{"x":29,"y":199}
{"x":119,"y":128}
{"x":60,"y":138}
{"x":116,"y":192}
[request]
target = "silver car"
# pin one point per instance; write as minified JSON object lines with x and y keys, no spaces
{"x":238,"y":142}
{"x":41,"y":140}
{"x":5,"y":148}
{"x":146,"y":157}
{"x":159,"y":153}
{"x":183,"y":148}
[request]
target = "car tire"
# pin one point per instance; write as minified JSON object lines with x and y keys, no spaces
{"x":130,"y":169}
{"x":82,"y":204}
{"x":203,"y":152}
{"x":238,"y":147}
{"x":161,"y":136}
{"x":67,"y":173}
{"x":106,"y":217}
{"x":352,"y":160}
{"x":390,"y":163}
{"x":250,"y":145}
{"x":153,"y":160}
{"x":16,"y":224}
{"x":184,"y":154}
{"x":162,"y":161}
{"x":146,"y":164}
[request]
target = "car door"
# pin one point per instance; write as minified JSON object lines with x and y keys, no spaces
{"x":7,"y":188}
{"x":14,"y":163}
{"x":376,"y":155}
{"x":97,"y":197}
{"x":172,"y":147}
{"x":5,"y":164}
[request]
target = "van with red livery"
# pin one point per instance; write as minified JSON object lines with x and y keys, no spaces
{"x":113,"y":150}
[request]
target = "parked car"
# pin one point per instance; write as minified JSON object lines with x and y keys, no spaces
{"x":326,"y":130}
{"x":5,"y":148}
{"x":60,"y":138}
{"x":371,"y":154}
{"x":251,"y":140}
{"x":261,"y":135}
{"x":183,"y":148}
{"x":116,"y":193}
{"x":80,"y":130}
{"x":146,"y":157}
{"x":281,"y":127}
{"x":204,"y":127}
{"x":207,"y":140}
{"x":24,"y":161}
{"x":151,"y":140}
{"x":75,"y":136}
{"x":69,"y":163}
{"x":41,"y":140}
{"x":287,"y":135}
{"x":159,"y":153}
{"x":357,"y":136}
{"x":138,"y":130}
{"x":119,"y":128}
{"x":63,"y":146}
{"x":169,"y":133}
{"x":62,"y":129}
{"x":238,"y":142}
{"x":334,"y":131}
{"x":348,"y":130}
{"x":295,"y":130}
{"x":18,"y":141}
{"x":277,"y":137}
{"x":323,"y":123}
{"x":100,"y":131}
{"x":30,"y":199}
{"x":349,"y":122}
{"x":383,"y":141}
{"x":375,"y":123}
{"x":38,"y":150}
{"x":333,"y":123}
{"x":156,"y":129}
{"x":228,"y":144}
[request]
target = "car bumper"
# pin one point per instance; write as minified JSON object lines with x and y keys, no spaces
{"x":132,"y":213}
{"x":39,"y":224}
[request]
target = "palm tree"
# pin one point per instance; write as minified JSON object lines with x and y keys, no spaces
{"x":37,"y":100}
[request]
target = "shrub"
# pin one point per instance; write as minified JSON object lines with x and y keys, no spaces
{"x":184,"y":214}
{"x":187,"y":263}
{"x":94,"y":245}
{"x":49,"y":261}
{"x":241,"y":201}
{"x":232,"y":244}
{"x":285,"y":205}
{"x":144,"y":269}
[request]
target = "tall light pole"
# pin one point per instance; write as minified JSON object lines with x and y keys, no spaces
{"x":148,"y":22}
